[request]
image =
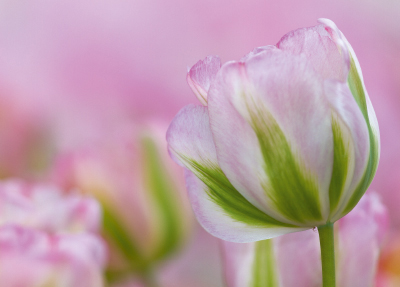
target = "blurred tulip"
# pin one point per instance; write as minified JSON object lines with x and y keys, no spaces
{"x":32,"y":258}
{"x":294,"y":259}
{"x":47,"y":208}
{"x":287,"y":141}
{"x":130,"y":173}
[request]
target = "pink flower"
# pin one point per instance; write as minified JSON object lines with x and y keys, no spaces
{"x":47,"y":208}
{"x":287,"y":140}
{"x":141,"y":191}
{"x":294,"y":259}
{"x":34,"y":258}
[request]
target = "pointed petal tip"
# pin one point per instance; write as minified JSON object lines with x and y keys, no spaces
{"x":338,"y":38}
{"x":201,"y":75}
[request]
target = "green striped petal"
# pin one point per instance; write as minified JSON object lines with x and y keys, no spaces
{"x":218,"y":206}
{"x":357,"y":87}
{"x":351,"y":146}
{"x":358,"y":91}
{"x":272,"y":128}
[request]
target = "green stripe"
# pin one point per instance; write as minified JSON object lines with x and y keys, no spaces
{"x":291,"y":187}
{"x":264,"y":265}
{"x":356,"y":88}
{"x":164,"y":196}
{"x":340,"y":166}
{"x":114,"y":231}
{"x":222,"y":193}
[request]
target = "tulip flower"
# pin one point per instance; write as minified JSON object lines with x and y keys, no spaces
{"x":47,"y":208}
{"x":294,"y":259}
{"x":48,"y":238}
{"x":288,"y":139}
{"x":145,"y":217}
{"x":34,"y":258}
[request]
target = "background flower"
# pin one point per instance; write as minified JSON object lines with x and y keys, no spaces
{"x":48,"y":238}
{"x":47,"y":208}
{"x":34,"y":258}
{"x":146,"y":216}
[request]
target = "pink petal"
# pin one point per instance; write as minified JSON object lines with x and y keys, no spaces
{"x":299,"y":259}
{"x":46,"y":207}
{"x":339,"y":39}
{"x":72,"y":260}
{"x":189,"y":138}
{"x":293,"y":94}
{"x":256,"y":51}
{"x":201,"y":75}
{"x":189,"y":135}
{"x":238,"y":260}
{"x":317,"y":45}
{"x":347,"y":53}
{"x":360,"y":235}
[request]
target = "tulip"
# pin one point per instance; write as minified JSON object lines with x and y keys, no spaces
{"x":294,"y":259}
{"x":34,"y":258}
{"x":145,"y":217}
{"x":47,"y":208}
{"x":49,"y":237}
{"x":288,"y":140}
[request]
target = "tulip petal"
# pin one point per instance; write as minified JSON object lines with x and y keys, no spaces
{"x":299,"y":259}
{"x":250,"y":264}
{"x":201,"y":75}
{"x":317,"y":45}
{"x":359,"y":92}
{"x":189,"y":137}
{"x":358,"y":255}
{"x":275,"y":101}
{"x":229,"y":216}
{"x":238,"y":260}
{"x":218,"y":206}
{"x":356,"y":84}
{"x":351,"y":146}
{"x":333,"y":57}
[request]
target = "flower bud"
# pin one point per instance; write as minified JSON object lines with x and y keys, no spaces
{"x":288,"y":140}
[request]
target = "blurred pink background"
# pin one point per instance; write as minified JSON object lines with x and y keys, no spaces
{"x":77,"y":67}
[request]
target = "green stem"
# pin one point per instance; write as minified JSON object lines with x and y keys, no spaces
{"x":327,"y":254}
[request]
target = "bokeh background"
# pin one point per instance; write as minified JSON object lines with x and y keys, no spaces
{"x":74,"y":72}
